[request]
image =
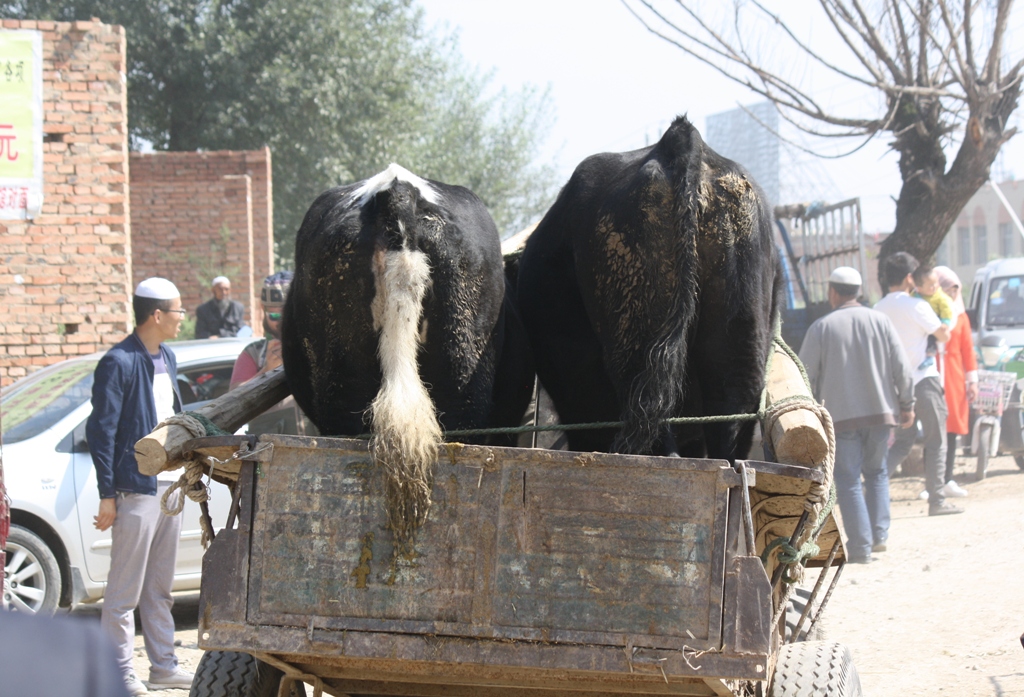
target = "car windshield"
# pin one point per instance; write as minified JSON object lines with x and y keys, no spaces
{"x":1005,"y":302}
{"x":39,"y":401}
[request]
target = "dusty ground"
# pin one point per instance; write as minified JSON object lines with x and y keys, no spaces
{"x":940,"y":612}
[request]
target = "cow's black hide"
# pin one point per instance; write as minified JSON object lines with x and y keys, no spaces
{"x":472,"y":355}
{"x":648,"y":291}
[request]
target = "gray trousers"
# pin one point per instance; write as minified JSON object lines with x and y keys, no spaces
{"x":931,"y":410}
{"x":143,"y":554}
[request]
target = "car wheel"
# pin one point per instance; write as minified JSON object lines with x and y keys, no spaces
{"x":31,"y":574}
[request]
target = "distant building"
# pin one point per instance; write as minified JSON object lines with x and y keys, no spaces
{"x":747,"y":135}
{"x":984,"y":231}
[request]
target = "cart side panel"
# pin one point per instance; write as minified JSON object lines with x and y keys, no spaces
{"x":519,"y":544}
{"x":602,"y":549}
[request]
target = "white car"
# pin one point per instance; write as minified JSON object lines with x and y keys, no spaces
{"x":55,"y":556}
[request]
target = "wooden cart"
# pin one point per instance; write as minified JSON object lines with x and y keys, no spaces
{"x":537,"y":572}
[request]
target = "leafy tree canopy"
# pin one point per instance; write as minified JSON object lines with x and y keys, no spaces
{"x":336,"y":88}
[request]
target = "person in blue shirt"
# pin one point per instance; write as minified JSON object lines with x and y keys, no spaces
{"x":134,"y":388}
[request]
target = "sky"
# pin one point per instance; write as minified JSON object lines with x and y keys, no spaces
{"x":615,"y":86}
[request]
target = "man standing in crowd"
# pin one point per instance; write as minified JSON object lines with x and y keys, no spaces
{"x":915,"y":321}
{"x":134,"y":388}
{"x":858,"y":370}
{"x":220,"y":315}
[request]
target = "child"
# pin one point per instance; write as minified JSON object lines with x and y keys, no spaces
{"x":927,"y":283}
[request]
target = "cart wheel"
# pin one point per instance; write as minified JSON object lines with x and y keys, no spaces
{"x":815,"y":669}
{"x":984,"y":442}
{"x":797,"y":603}
{"x":235,"y":674}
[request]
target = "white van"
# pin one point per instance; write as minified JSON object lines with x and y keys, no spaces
{"x":996,"y":303}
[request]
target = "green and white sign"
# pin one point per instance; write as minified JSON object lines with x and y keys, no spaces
{"x":21,"y":124}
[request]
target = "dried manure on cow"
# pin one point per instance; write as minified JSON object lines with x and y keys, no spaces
{"x":398,"y":323}
{"x":649,"y":291}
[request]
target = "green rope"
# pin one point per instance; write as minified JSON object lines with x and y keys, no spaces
{"x":211,"y":428}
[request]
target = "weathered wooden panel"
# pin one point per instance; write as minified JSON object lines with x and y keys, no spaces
{"x":518,"y":544}
{"x":603,"y":549}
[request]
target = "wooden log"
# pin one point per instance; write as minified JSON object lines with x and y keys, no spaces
{"x":161,"y":449}
{"x":797,"y":437}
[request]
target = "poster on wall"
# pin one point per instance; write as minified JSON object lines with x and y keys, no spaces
{"x":21,"y":124}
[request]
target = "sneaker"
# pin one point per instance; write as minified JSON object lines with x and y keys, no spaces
{"x":180,"y":679}
{"x":945,"y":508}
{"x":953,"y":490}
{"x":878,"y":547}
{"x":866,"y":559}
{"x":134,"y":685}
{"x":923,"y":495}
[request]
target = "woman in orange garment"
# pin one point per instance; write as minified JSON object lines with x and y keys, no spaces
{"x":960,"y":368}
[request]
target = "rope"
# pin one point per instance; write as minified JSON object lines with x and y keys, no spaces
{"x":821,"y":498}
{"x":190,"y":482}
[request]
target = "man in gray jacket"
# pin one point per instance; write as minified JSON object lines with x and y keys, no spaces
{"x":858,"y":369}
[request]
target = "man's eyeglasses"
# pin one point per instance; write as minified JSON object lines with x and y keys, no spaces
{"x":274,"y":316}
{"x":181,"y":312}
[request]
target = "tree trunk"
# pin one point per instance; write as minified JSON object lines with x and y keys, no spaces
{"x":931,"y":199}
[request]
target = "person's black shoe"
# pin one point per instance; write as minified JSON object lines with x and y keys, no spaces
{"x":944,"y":508}
{"x":866,"y":559}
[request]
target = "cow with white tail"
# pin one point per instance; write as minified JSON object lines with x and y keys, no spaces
{"x":398,"y":323}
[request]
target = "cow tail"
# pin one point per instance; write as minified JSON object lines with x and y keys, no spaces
{"x":406,"y":431}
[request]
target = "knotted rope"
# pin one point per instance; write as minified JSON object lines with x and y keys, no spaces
{"x":191,"y":480}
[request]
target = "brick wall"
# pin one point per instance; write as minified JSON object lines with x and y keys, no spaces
{"x":65,"y":275}
{"x":198,"y":215}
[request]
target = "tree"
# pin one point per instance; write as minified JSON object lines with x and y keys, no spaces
{"x":938,"y":70}
{"x":336,"y":89}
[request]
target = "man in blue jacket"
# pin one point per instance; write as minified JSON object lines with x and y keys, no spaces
{"x":134,"y":388}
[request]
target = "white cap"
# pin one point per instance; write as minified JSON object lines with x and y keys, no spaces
{"x":846,"y":276}
{"x":157,"y":288}
{"x":219,"y":280}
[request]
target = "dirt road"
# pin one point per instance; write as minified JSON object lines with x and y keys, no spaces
{"x":941,"y":612}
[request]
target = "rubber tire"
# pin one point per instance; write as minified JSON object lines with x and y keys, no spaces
{"x":815,"y":669}
{"x":1019,"y":459}
{"x":236,"y":674}
{"x":23,"y":539}
{"x":797,"y":602}
{"x":984,"y":438}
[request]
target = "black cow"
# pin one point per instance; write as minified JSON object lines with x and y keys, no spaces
{"x":648,"y":291}
{"x":398,"y":322}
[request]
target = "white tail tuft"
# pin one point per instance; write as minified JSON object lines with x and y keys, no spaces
{"x":382,"y":181}
{"x":406,"y":432}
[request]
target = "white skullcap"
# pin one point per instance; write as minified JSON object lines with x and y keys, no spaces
{"x":846,"y":276}
{"x":157,"y":288}
{"x":219,"y":280}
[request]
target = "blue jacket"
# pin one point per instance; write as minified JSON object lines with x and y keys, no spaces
{"x":123,"y":411}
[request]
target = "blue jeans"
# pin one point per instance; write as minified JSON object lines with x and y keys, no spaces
{"x":865,"y":509}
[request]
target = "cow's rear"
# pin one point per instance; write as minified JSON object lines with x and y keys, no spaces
{"x":648,"y":292}
{"x":396,"y":324}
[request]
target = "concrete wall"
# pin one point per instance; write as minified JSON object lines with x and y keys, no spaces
{"x":984,"y":231}
{"x":64,"y":281}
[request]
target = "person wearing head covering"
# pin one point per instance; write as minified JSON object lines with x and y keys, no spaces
{"x":960,"y":373}
{"x":858,"y":369}
{"x":264,"y":355}
{"x":135,"y":387}
{"x":220,"y":316}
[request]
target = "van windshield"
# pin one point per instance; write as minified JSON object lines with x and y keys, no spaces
{"x":1005,"y":302}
